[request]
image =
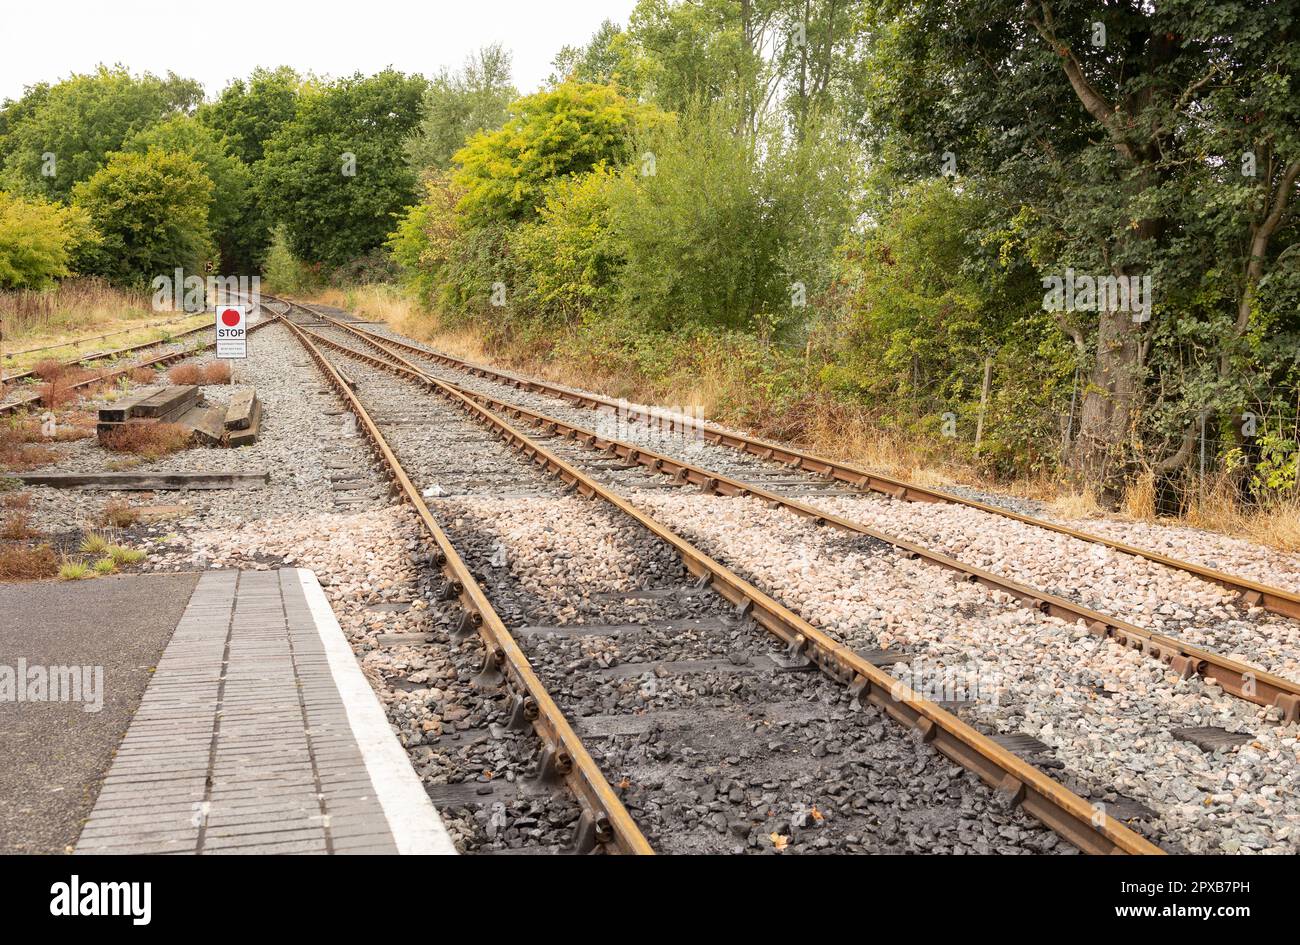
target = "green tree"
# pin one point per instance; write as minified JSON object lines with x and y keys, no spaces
{"x":247,"y":113}
{"x":151,"y":213}
{"x":37,"y":241}
{"x":459,"y":105}
{"x":68,"y":134}
{"x":569,"y":130}
{"x":333,"y":175}
{"x":1118,"y":137}
{"x":230,"y":180}
{"x":610,"y":57}
{"x":730,"y":231}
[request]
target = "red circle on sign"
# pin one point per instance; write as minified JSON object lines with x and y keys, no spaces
{"x":230,"y":317}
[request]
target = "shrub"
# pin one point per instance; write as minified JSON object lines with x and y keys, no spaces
{"x":19,"y":563}
{"x":143,"y":375}
{"x":94,"y":544}
{"x":119,"y":514}
{"x":218,"y":372}
{"x":120,"y":555}
{"x":74,"y":570}
{"x":17,"y":526}
{"x":186,"y":374}
{"x":150,"y":440}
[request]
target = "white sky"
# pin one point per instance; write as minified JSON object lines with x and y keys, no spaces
{"x":216,"y":42}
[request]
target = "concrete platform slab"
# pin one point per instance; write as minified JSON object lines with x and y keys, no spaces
{"x":286,"y":748}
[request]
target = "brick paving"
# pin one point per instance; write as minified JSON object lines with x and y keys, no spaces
{"x":264,"y":756}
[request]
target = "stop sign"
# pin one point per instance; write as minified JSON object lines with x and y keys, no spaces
{"x":232,"y":331}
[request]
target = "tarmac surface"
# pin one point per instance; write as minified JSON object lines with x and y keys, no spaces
{"x":54,"y":754}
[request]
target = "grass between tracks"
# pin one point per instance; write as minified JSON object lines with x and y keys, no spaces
{"x":66,"y":322}
{"x":737,"y":381}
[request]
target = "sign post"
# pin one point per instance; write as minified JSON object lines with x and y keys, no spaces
{"x":232,"y":331}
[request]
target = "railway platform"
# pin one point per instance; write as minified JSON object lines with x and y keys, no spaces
{"x":257,"y":734}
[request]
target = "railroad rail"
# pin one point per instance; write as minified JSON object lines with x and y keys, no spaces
{"x":34,"y":401}
{"x":1251,"y":593}
{"x":609,"y":820}
{"x":105,"y":355}
{"x":1239,"y":679}
{"x":1071,"y":816}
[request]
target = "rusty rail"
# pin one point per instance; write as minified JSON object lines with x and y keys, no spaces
{"x":1018,"y":782}
{"x":161,"y":361}
{"x":1252,"y":593}
{"x":1239,"y":679}
{"x":610,"y":820}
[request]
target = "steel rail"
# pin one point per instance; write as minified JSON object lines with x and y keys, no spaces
{"x":610,"y":819}
{"x":161,"y":361}
{"x":1247,"y":682}
{"x":1072,"y":817}
{"x":116,"y":353}
{"x":1252,"y":593}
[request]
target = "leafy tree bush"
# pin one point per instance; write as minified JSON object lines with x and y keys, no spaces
{"x":37,"y":241}
{"x":569,"y":130}
{"x":151,"y":213}
{"x":729,"y":230}
{"x":247,"y":113}
{"x":81,"y":120}
{"x":230,"y":179}
{"x":459,"y":105}
{"x":332,"y":175}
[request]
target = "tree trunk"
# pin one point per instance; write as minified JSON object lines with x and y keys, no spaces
{"x":1097,"y":456}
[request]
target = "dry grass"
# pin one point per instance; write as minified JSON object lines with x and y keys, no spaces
{"x":143,"y":375}
{"x":1072,"y":504}
{"x":1140,"y":497}
{"x":16,"y":500}
{"x":185,"y":374}
{"x":150,"y":440}
{"x":1278,"y":526}
{"x":216,"y":372}
{"x":69,"y":321}
{"x":17,"y":526}
{"x":119,"y":514}
{"x":23,"y":563}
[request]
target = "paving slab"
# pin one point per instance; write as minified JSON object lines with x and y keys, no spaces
{"x":285,"y":747}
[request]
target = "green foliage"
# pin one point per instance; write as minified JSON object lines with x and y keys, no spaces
{"x":730,"y":231}
{"x":230,"y":177}
{"x":151,"y":213}
{"x":37,"y":241}
{"x":568,"y":256}
{"x":459,"y":105}
{"x":332,"y":176}
{"x":246,"y":114}
{"x":81,"y":120}
{"x":283,"y":271}
{"x":569,"y":130}
{"x":611,"y":57}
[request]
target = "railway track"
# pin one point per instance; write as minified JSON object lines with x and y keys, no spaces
{"x":1251,"y":593}
{"x":33,"y":401}
{"x":1245,"y":681}
{"x":727,"y":615}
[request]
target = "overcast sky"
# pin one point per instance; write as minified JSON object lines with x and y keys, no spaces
{"x":216,"y":42}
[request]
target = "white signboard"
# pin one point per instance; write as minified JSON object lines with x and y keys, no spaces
{"x":232,"y":331}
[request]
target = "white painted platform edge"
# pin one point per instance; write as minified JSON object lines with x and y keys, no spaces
{"x":411,"y":816}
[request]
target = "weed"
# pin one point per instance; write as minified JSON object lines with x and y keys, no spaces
{"x":150,"y":440}
{"x":95,"y":543}
{"x":119,"y":514}
{"x":21,"y":563}
{"x":105,"y":566}
{"x":73,"y":570}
